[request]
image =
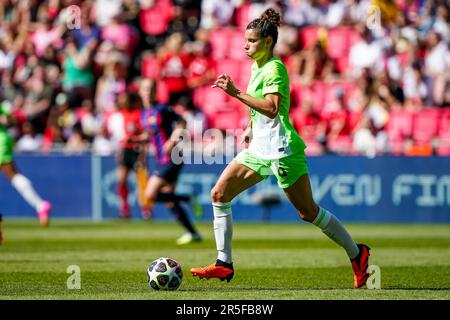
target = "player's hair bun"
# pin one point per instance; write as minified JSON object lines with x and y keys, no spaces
{"x":270,"y":15}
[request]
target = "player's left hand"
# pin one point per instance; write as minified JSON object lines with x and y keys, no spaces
{"x":225,"y":83}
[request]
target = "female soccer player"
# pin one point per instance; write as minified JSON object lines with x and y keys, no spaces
{"x":161,"y":123}
{"x":275,"y":146}
{"x":21,"y":183}
{"x":129,"y":154}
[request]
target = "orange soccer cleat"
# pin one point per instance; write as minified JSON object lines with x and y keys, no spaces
{"x":360,"y":265}
{"x":219,"y":270}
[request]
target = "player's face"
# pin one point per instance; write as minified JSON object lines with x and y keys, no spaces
{"x":147,"y":90}
{"x":256,"y":46}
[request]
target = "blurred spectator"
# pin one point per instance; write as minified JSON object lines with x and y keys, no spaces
{"x":313,"y":64}
{"x":310,"y":125}
{"x":402,"y":65}
{"x":217,"y":13}
{"x":414,"y":85}
{"x":436,"y":68}
{"x":106,"y":10}
{"x":45,"y":36}
{"x":109,"y":86}
{"x":121,"y":35}
{"x":174,"y":65}
{"x":201,"y":69}
{"x":356,"y":10}
{"x":78,"y":77}
{"x":367,"y":53}
{"x":335,"y":13}
{"x":88,"y":30}
{"x":102,"y":144}
{"x":76,"y":143}
{"x":30,"y":140}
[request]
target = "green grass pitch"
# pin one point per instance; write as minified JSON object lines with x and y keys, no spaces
{"x":272,"y":261}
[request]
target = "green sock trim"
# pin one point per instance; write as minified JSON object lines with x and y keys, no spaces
{"x":319,"y":217}
{"x":224,"y":206}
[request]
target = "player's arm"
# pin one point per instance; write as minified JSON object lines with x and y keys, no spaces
{"x":144,"y":137}
{"x":269,"y":106}
{"x":7,"y":120}
{"x":175,"y":137}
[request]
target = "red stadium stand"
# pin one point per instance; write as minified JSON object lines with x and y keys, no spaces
{"x":425,"y":126}
{"x":155,"y":20}
{"x":242,"y":15}
{"x":443,"y":147}
{"x":227,"y":120}
{"x":236,"y":45}
{"x":220,"y":44}
{"x":209,"y":99}
{"x":399,"y":128}
{"x":342,"y":145}
{"x":338,"y":42}
{"x":231,"y":67}
{"x":150,"y":67}
{"x":309,"y":36}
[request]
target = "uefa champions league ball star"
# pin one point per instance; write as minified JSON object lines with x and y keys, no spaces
{"x":165,"y":274}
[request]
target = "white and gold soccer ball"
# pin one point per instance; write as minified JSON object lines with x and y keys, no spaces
{"x":165,"y":274}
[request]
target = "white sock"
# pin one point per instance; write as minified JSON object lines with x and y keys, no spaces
{"x":25,"y":188}
{"x":336,"y":231}
{"x":223,"y":230}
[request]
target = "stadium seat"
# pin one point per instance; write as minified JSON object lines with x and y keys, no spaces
{"x":337,"y":43}
{"x":231,"y":67}
{"x":341,"y":145}
{"x":313,"y":148}
{"x":309,"y":36}
{"x":342,"y":64}
{"x":425,"y":126}
{"x":150,"y":67}
{"x":443,"y":145}
{"x":236,"y":45}
{"x":220,"y":43}
{"x":400,"y":125}
{"x":444,"y":124}
{"x":399,"y":129}
{"x":242,"y":15}
{"x":318,"y":95}
{"x":162,"y":92}
{"x":209,"y":99}
{"x":226,"y":120}
{"x":155,"y":19}
{"x":245,"y":72}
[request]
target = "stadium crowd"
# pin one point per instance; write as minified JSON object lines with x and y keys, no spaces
{"x":368,"y":77}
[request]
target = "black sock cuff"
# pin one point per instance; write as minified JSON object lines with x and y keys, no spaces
{"x":224,"y":264}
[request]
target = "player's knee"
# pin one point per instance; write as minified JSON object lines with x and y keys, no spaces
{"x":307,"y":214}
{"x":218,"y":195}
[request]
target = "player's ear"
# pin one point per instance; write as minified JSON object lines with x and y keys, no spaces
{"x":269,"y":41}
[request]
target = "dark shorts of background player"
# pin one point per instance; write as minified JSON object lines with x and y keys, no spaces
{"x":169,"y":172}
{"x":128,"y":157}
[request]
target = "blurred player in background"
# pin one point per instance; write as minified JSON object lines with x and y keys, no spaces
{"x":7,"y":166}
{"x":275,"y":147}
{"x":131,"y":153}
{"x":161,"y":123}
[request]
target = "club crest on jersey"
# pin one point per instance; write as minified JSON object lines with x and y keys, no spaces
{"x":151,"y":120}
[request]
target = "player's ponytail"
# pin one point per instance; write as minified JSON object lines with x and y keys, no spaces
{"x":267,"y":24}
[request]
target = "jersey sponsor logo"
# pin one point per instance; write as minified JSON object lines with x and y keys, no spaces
{"x":282,"y":172}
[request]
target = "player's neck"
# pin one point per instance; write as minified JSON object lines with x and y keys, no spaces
{"x":261,"y":61}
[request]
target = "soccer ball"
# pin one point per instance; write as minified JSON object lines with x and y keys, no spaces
{"x":165,"y":274}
